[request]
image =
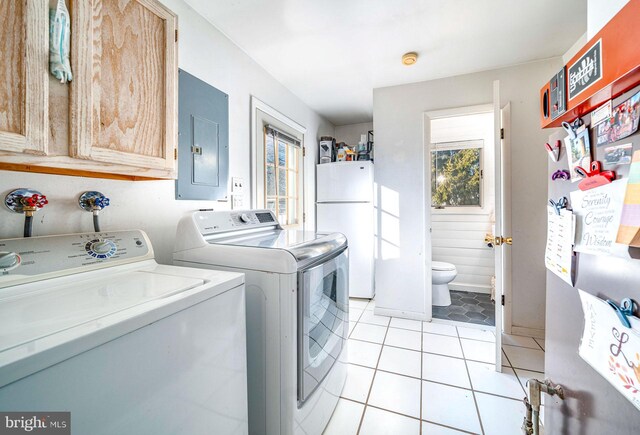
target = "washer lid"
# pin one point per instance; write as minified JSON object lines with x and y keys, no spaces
{"x":442,"y":266}
{"x":305,"y":246}
{"x":26,"y":316}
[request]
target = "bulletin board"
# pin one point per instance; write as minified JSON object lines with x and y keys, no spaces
{"x":603,"y":276}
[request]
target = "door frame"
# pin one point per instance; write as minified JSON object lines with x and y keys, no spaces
{"x":257,"y":139}
{"x":446,"y":113}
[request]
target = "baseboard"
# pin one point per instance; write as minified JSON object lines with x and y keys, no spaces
{"x":527,"y":332}
{"x":471,"y":288}
{"x":399,"y":313}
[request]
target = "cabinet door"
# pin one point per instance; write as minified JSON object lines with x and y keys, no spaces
{"x":24,"y":84}
{"x":123,"y":97}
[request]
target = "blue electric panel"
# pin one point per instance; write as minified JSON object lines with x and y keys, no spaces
{"x":203,"y":140}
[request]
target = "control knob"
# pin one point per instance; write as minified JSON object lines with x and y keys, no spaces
{"x":101,"y":248}
{"x":9,"y":261}
{"x":245,"y":218}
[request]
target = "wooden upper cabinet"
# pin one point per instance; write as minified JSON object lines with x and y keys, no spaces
{"x":24,"y":85}
{"x":123,"y":97}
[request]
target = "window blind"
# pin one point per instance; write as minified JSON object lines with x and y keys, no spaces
{"x":461,"y":145}
{"x":281,"y":135}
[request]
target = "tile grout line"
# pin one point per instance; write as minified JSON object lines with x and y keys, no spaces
{"x":427,"y":380}
{"x":473,"y":393}
{"x":539,"y":345}
{"x":364,"y":410}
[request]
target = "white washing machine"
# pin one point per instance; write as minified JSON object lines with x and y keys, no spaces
{"x":297,"y":312}
{"x":92,"y":325}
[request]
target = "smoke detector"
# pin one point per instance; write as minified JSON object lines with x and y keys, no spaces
{"x":409,"y":58}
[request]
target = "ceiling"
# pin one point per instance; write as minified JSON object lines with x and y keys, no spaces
{"x":333,"y":53}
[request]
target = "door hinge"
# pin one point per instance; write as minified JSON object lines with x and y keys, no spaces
{"x":304,"y":151}
{"x":502,"y":300}
{"x":175,"y":154}
{"x":481,"y":173}
{"x":176,"y":35}
{"x":502,"y":133}
{"x":304,"y":217}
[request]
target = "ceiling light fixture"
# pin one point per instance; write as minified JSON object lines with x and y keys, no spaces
{"x":409,"y":58}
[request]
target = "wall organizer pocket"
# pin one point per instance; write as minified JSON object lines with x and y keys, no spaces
{"x":611,"y":344}
{"x":594,"y":178}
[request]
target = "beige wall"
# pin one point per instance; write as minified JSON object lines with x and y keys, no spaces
{"x":350,"y":134}
{"x":402,"y":222}
{"x":150,"y":205}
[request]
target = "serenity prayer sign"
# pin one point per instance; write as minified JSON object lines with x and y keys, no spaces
{"x":598,"y":217}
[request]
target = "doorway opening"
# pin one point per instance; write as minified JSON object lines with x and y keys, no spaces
{"x":462,"y":175}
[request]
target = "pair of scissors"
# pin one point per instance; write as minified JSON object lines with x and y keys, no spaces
{"x":562,"y":203}
{"x":571,"y":128}
{"x":561,"y":174}
{"x":624,"y":311}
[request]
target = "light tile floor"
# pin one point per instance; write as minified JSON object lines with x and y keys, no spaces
{"x":412,"y":377}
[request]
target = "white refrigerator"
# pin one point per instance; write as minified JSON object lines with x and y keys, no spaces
{"x":345,"y":204}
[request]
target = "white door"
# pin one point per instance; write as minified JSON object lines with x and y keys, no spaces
{"x":502,"y":227}
{"x":355,"y":221}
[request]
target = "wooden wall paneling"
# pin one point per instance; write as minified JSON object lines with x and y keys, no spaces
{"x":24,"y":89}
{"x":123,"y":108}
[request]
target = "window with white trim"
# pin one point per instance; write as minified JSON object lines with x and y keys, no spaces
{"x":282,"y":189}
{"x":456,"y":174}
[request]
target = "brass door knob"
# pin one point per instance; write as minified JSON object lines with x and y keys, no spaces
{"x":492,"y":240}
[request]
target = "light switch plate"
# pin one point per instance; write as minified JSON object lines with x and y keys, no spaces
{"x":237,"y":185}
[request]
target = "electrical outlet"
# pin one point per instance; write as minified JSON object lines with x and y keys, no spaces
{"x":237,"y":185}
{"x":238,"y":202}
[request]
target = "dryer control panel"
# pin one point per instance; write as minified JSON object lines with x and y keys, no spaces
{"x":34,"y":258}
{"x":218,"y":222}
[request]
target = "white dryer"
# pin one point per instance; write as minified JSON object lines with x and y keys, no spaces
{"x":92,"y":325}
{"x":297,"y":312}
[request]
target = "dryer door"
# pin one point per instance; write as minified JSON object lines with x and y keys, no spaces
{"x":323,"y":320}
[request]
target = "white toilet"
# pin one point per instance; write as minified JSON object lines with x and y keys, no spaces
{"x":441,"y":275}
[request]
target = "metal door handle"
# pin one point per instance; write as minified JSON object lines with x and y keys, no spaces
{"x":492,"y":240}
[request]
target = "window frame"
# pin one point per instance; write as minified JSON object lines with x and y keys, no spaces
{"x":261,"y":115}
{"x":455,"y":146}
{"x":297,"y":152}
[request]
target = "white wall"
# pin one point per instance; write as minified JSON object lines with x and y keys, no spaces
{"x":599,"y":12}
{"x":398,"y":123}
{"x":350,"y":134}
{"x":457,"y":235}
{"x":208,"y":54}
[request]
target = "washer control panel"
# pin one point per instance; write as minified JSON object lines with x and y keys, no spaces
{"x":215,"y":222}
{"x":72,"y":253}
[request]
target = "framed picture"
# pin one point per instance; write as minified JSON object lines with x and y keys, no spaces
{"x":622,"y":123}
{"x":618,"y":155}
{"x":578,"y":153}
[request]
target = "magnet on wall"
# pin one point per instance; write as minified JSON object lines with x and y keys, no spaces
{"x":594,"y":178}
{"x":554,"y":151}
